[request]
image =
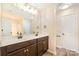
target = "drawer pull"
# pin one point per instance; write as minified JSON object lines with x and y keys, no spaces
{"x":27,"y":50}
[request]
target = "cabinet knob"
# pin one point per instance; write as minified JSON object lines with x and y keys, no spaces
{"x":25,"y":50}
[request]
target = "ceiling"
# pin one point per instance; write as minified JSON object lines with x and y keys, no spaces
{"x":73,"y":5}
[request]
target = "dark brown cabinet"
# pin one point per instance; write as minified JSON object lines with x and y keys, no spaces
{"x":45,"y":45}
{"x":29,"y":48}
{"x":40,"y":48}
{"x":42,"y":45}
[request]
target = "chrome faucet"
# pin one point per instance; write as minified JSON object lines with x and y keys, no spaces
{"x":19,"y":35}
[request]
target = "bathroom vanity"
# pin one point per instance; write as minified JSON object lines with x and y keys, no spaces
{"x":27,"y":47}
{"x":21,"y":32}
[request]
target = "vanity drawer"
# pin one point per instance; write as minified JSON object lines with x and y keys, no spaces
{"x":32,"y":41}
{"x":19,"y":52}
{"x":13,"y":47}
{"x":43,"y":38}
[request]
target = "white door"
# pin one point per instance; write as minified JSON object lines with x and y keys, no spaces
{"x":68,"y":31}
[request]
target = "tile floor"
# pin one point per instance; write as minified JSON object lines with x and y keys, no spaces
{"x":62,"y":52}
{"x":47,"y":54}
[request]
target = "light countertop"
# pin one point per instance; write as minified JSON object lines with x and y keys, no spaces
{"x":8,"y":40}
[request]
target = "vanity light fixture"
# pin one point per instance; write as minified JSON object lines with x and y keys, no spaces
{"x":27,"y":8}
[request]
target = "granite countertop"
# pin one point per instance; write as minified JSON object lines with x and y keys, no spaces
{"x":8,"y":40}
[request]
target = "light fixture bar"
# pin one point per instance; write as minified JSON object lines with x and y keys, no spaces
{"x":27,"y":8}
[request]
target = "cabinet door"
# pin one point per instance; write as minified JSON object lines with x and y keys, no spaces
{"x":31,"y":50}
{"x":17,"y":53}
{"x":45,"y":45}
{"x":40,"y":48}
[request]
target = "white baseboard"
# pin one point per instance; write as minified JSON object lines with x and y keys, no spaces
{"x":52,"y":52}
{"x":59,"y":46}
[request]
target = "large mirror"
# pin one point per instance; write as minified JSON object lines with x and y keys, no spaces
{"x":21,"y":18}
